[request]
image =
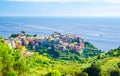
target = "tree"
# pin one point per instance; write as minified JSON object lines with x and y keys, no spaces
{"x":93,"y":70}
{"x":83,"y":74}
{"x":101,"y":56}
{"x":114,"y":52}
{"x":23,"y":32}
{"x":14,"y":35}
{"x":54,"y":73}
{"x":1,"y":38}
{"x":6,"y":60}
{"x":11,"y":63}
{"x":118,"y":64}
{"x":115,"y":72}
{"x":35,"y":35}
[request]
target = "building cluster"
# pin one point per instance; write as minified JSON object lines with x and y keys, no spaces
{"x":59,"y":41}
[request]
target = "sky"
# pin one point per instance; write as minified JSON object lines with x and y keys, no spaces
{"x":72,"y":8}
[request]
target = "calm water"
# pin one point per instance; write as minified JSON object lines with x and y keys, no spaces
{"x":104,"y":33}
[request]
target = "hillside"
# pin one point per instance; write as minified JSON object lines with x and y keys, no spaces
{"x":26,"y":60}
{"x":56,"y":45}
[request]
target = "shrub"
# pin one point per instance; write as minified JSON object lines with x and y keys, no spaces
{"x":115,"y":72}
{"x":82,"y":74}
{"x":14,"y":35}
{"x":11,"y":63}
{"x":93,"y":70}
{"x":54,"y":73}
{"x":118,"y":64}
{"x":1,"y":38}
{"x":13,"y":73}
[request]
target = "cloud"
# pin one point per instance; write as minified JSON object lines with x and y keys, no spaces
{"x":109,"y":10}
{"x":94,"y":8}
{"x":53,"y":0}
{"x":111,"y":1}
{"x":105,"y":1}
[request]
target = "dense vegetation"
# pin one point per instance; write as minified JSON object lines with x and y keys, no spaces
{"x":114,"y":52}
{"x":51,"y":52}
{"x":89,"y":51}
{"x":45,"y":62}
{"x":11,"y":62}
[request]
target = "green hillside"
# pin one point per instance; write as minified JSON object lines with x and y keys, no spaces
{"x":25,"y":60}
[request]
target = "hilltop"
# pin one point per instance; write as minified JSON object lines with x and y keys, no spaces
{"x":56,"y":45}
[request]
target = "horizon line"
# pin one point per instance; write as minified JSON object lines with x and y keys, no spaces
{"x":59,"y":16}
{"x":93,"y":1}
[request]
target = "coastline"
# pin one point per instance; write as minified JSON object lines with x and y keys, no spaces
{"x":89,"y":28}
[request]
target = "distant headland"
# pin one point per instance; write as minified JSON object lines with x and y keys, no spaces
{"x":55,"y":42}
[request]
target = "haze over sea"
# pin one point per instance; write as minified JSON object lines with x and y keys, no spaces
{"x":104,"y":33}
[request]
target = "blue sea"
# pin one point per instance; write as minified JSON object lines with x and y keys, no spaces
{"x":104,"y":33}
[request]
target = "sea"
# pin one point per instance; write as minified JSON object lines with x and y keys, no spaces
{"x":102,"y":32}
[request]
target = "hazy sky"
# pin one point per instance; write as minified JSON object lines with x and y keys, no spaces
{"x":60,"y":8}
